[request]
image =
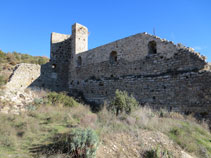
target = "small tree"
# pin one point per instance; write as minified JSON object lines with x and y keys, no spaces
{"x":122,"y":102}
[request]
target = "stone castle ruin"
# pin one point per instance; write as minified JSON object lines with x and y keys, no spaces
{"x":153,"y":70}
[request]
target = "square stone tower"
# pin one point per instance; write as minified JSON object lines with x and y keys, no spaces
{"x":79,"y":38}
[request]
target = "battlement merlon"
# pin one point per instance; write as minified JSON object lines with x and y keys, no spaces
{"x":79,"y":38}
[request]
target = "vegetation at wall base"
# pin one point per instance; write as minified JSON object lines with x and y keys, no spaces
{"x":61,"y":98}
{"x":51,"y":127}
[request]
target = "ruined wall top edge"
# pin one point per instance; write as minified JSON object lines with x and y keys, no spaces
{"x":133,"y":48}
{"x":58,"y":37}
{"x":129,"y":48}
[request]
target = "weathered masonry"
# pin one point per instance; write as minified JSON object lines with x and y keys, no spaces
{"x":154,"y":70}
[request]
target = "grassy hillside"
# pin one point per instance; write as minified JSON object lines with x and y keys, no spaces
{"x":16,"y":58}
{"x":9,"y":60}
{"x":50,"y":125}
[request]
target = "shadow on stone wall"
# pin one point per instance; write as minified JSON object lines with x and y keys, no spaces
{"x":54,"y":74}
{"x":49,"y":79}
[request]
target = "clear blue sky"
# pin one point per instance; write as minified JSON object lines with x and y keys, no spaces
{"x":25,"y":25}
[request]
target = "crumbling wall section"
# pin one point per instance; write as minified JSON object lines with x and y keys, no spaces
{"x":131,"y":48}
{"x":153,"y":65}
{"x":133,"y":58}
{"x":23,"y":76}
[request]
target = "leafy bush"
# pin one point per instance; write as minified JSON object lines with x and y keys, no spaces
{"x":61,"y":98}
{"x":79,"y":143}
{"x":83,"y":143}
{"x":122,"y":102}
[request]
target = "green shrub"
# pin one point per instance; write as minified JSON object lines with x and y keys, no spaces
{"x":79,"y":143}
{"x":83,"y":143}
{"x":122,"y":103}
{"x":61,"y":98}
